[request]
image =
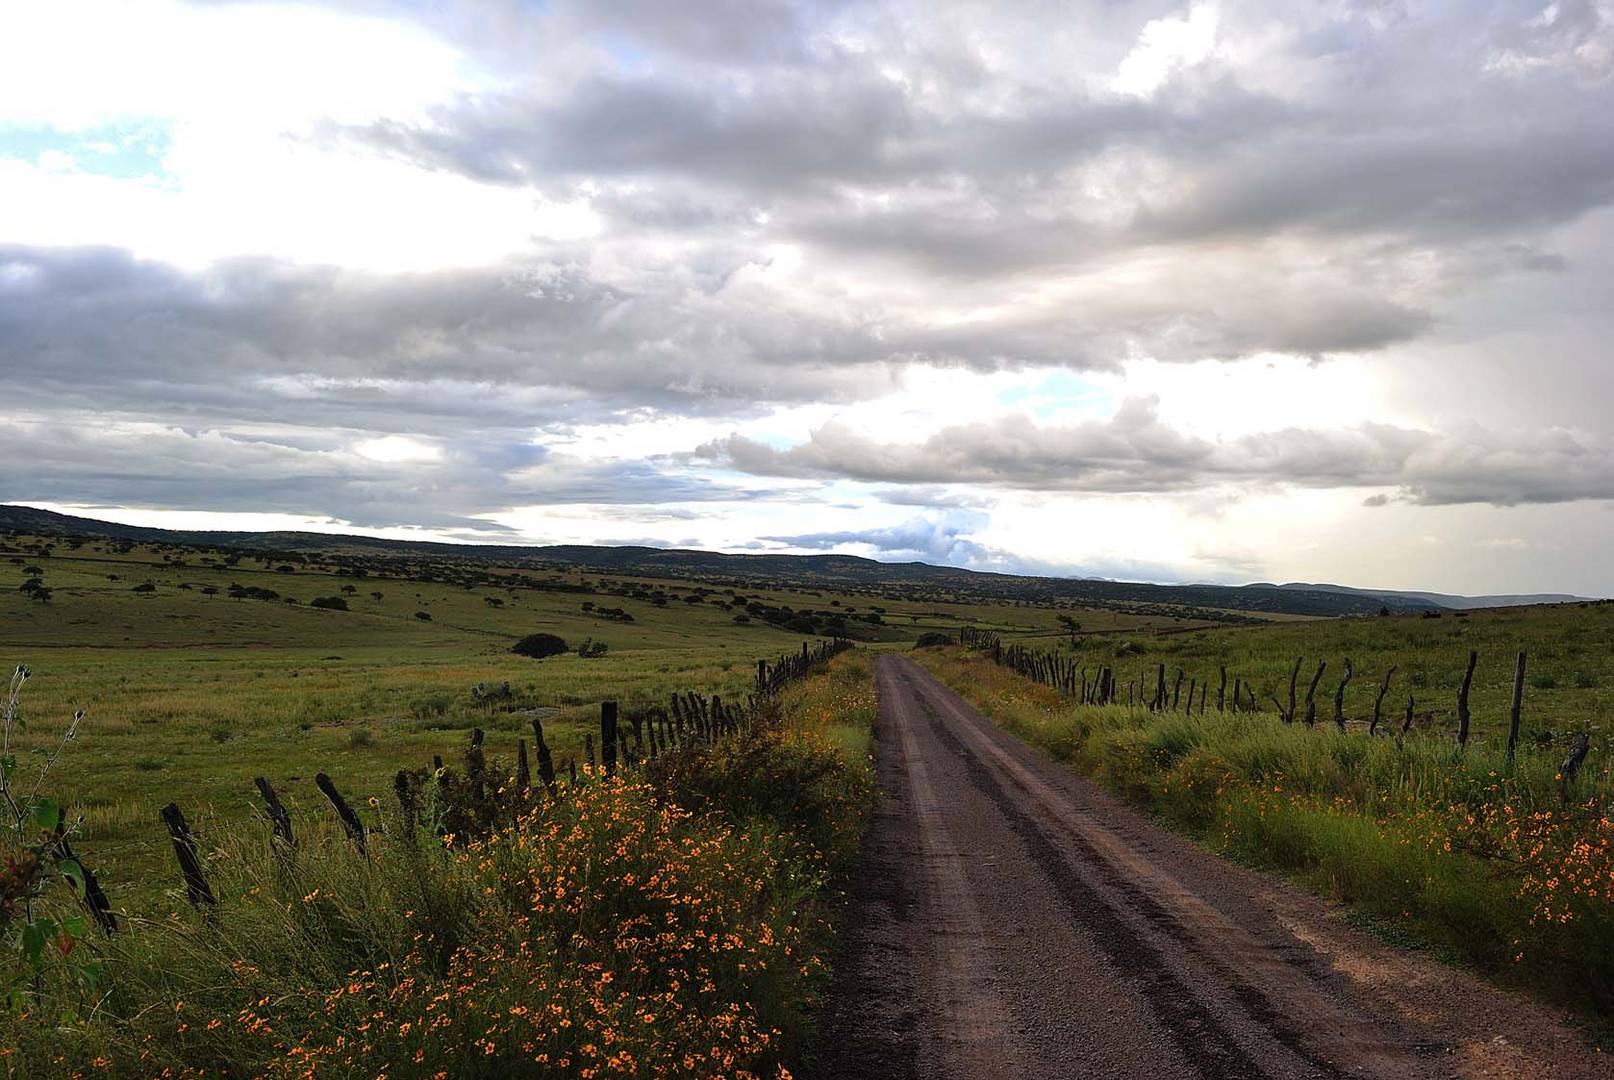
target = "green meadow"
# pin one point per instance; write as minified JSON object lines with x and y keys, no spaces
{"x":189,"y":693}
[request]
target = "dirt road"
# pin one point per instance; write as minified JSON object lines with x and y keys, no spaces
{"x":1011,"y":919}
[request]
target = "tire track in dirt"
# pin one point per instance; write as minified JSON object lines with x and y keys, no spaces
{"x":1011,"y":919}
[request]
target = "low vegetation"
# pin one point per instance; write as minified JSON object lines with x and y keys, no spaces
{"x":670,"y":923}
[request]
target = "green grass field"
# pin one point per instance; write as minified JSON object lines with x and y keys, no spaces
{"x":189,"y":694}
{"x":1569,"y":682}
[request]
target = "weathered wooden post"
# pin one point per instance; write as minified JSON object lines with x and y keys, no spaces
{"x":588,"y":749}
{"x":1294,"y":674}
{"x":1462,"y":699}
{"x":608,"y":736}
{"x":1238,"y":689}
{"x":350,"y":821}
{"x":1311,"y":694}
{"x":1406,"y":724}
{"x":278,"y":817}
{"x":1571,"y":766}
{"x":190,"y":865}
{"x":546,"y":763}
{"x":1221,"y":691}
{"x":523,"y":774}
{"x":1518,"y":708}
{"x":1378,"y":702}
{"x":1339,"y":696}
{"x":93,"y":896}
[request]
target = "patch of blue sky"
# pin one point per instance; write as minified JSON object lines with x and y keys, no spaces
{"x":629,"y":57}
{"x":1060,"y":393}
{"x":126,"y":151}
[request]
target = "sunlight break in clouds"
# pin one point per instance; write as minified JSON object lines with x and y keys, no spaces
{"x":1220,"y":291}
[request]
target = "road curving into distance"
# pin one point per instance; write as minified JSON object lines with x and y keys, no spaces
{"x":1011,"y":919}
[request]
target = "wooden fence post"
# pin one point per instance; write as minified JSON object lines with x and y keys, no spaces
{"x":523,"y":774}
{"x":190,"y":865}
{"x":1462,"y":699}
{"x":1294,"y":675}
{"x":278,"y":817}
{"x":1406,"y":724}
{"x":1518,"y":708}
{"x":350,"y":821}
{"x":94,"y":896}
{"x":546,"y":763}
{"x":1221,"y":691}
{"x":1572,"y":763}
{"x":1378,"y":702}
{"x":1339,"y":696}
{"x":1311,"y":694}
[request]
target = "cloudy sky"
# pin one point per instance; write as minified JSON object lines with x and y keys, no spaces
{"x":1215,"y":292}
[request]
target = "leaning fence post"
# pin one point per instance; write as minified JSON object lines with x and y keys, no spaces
{"x":1518,"y":708}
{"x":350,"y":821}
{"x":1378,"y":702}
{"x":1462,"y":699}
{"x":94,"y":896}
{"x":1339,"y":696}
{"x":190,"y":865}
{"x":1221,"y":691}
{"x":278,"y":817}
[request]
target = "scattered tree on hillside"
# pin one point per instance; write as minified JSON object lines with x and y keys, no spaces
{"x":538,"y":646}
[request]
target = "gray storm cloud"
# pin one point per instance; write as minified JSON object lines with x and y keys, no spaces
{"x":799,"y":202}
{"x":1135,"y":452}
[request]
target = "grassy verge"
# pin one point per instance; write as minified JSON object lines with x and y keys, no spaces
{"x":1497,"y":867}
{"x":672,"y":923}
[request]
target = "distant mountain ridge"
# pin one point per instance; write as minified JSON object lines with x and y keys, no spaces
{"x":826,"y":570}
{"x":1448,"y":600}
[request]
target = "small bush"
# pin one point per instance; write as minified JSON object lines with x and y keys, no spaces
{"x":360,"y":737}
{"x":591,"y":649}
{"x":539,"y":646}
{"x":328,"y":603}
{"x":424,"y":616}
{"x":933,"y":639}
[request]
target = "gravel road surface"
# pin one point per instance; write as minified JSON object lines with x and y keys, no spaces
{"x":1010,"y":919}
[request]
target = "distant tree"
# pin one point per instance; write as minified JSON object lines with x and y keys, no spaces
{"x":591,"y":649}
{"x":328,"y":603}
{"x":210,"y":590}
{"x":424,"y":616}
{"x":931,"y":639}
{"x":743,"y":620}
{"x":1071,"y":626}
{"x":349,"y":589}
{"x":144,"y":587}
{"x":538,"y":646}
{"x":493,"y":601}
{"x":376,"y":595}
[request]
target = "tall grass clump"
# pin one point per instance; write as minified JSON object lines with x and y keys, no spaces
{"x":1501,"y":865}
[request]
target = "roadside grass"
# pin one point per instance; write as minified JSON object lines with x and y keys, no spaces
{"x":670,"y":923}
{"x":1496,"y":867}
